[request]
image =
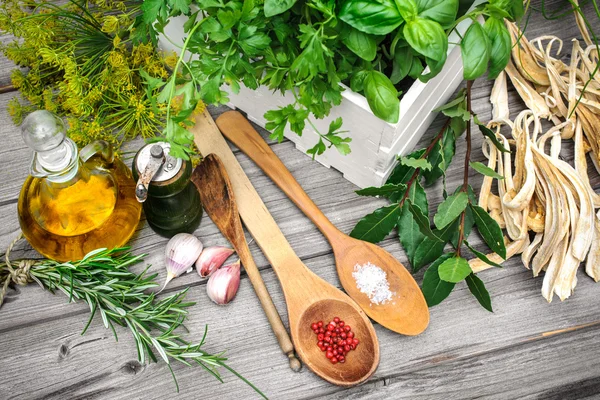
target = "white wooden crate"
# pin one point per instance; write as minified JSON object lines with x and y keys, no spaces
{"x":375,"y":143}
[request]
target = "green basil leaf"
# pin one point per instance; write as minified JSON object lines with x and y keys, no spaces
{"x":489,"y":230}
{"x":441,"y":11}
{"x":435,"y":67}
{"x":454,"y":270}
{"x":416,"y":69}
{"x":475,"y":51}
{"x":408,"y":9}
{"x":360,"y":43}
{"x":274,"y":7}
{"x":382,"y":96}
{"x":492,"y":136}
{"x":423,"y":222}
{"x":377,"y":225}
{"x":357,"y":82}
{"x":478,"y":289}
{"x":450,"y":209}
{"x":517,"y":9}
{"x":385,"y":190}
{"x":403,"y":60}
{"x":409,"y":233}
{"x":501,"y":46}
{"x":485,"y":170}
{"x":427,"y":38}
{"x":428,"y":250}
{"x":482,"y":256}
{"x":378,"y":17}
{"x":434,"y":289}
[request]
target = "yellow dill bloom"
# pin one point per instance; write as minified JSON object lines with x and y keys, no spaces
{"x":110,"y":24}
{"x":170,"y":59}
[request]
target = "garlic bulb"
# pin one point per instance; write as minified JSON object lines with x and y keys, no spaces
{"x":180,"y":254}
{"x":223,"y":284}
{"x":211,"y":259}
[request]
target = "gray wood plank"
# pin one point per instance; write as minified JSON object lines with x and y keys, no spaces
{"x":459,"y":330}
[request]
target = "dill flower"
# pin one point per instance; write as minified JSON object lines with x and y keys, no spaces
{"x":110,"y":24}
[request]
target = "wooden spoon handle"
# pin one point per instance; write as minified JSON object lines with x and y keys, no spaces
{"x":285,"y":343}
{"x":236,"y":128}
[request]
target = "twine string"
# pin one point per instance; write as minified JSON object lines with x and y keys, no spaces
{"x":18,"y":274}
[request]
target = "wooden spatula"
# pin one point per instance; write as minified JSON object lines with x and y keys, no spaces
{"x":406,"y":312}
{"x":218,"y":200}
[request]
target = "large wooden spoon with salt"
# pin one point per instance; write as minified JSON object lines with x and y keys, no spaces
{"x":406,"y":311}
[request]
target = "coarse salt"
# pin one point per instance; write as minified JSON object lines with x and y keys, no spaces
{"x":372,"y":281}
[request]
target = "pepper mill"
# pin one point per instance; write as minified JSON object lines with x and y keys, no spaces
{"x":170,"y":200}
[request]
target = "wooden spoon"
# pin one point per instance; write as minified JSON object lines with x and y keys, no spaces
{"x":407,"y":311}
{"x":308,"y":297}
{"x":218,"y":200}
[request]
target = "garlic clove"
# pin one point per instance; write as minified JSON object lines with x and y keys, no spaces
{"x":223,"y":284}
{"x":180,"y":254}
{"x":211,"y":259}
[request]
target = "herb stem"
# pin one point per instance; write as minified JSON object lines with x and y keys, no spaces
{"x":415,"y":174}
{"x":465,"y":186}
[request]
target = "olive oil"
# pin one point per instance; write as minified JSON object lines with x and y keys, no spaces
{"x":84,"y":206}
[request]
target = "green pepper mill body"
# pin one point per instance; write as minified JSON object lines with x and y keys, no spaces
{"x":170,"y":200}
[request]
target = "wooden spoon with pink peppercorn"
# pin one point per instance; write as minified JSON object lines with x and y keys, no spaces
{"x":406,"y":312}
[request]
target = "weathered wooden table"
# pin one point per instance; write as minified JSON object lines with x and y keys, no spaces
{"x":525,"y":349}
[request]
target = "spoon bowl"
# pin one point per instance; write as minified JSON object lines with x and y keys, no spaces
{"x":360,"y":362}
{"x":406,"y":300}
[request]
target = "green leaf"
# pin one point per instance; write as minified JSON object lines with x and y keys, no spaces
{"x":427,"y":38}
{"x":440,"y":157}
{"x":409,"y":233}
{"x":492,"y":136}
{"x":179,"y":6}
{"x":454,"y":270}
{"x":478,"y":289}
{"x":434,"y":289}
{"x":357,"y":82}
{"x":274,"y":7}
{"x":482,"y":256}
{"x":385,"y":190}
{"x":382,"y":96}
{"x":501,"y":46}
{"x":475,"y":51}
{"x":408,"y":9}
{"x":485,"y":170}
{"x":403,"y":60}
{"x":423,"y":222}
{"x":427,"y":251}
{"x":375,"y":17}
{"x":469,"y":222}
{"x":450,"y":209}
{"x":489,"y":230}
{"x":377,"y":225}
{"x":421,"y":163}
{"x":416,"y":195}
{"x":360,"y":43}
{"x":441,"y":11}
{"x":402,"y":173}
{"x":152,"y":10}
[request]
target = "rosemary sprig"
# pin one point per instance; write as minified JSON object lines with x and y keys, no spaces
{"x":102,"y":279}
